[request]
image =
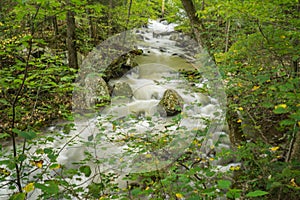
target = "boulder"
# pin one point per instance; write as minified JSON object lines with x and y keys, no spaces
{"x":120,"y":66}
{"x":122,"y":89}
{"x":96,"y":91}
{"x":171,"y":102}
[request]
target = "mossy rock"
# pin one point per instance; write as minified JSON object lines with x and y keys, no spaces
{"x":171,"y":102}
{"x":121,"y":66}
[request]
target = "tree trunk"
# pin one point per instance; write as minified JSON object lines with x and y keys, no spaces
{"x":128,"y":13}
{"x":296,"y":150}
{"x":162,"y":8}
{"x":198,"y":27}
{"x":71,"y":40}
{"x":92,"y":28}
{"x":55,"y":25}
{"x":227,"y":35}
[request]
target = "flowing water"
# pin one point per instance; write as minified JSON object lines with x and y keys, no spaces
{"x":121,"y":138}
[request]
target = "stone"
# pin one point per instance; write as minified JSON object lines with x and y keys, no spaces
{"x":96,"y":91}
{"x":174,"y":36}
{"x":122,"y":89}
{"x":120,"y":66}
{"x":171,"y":102}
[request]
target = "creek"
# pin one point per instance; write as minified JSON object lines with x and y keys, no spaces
{"x":133,"y":134}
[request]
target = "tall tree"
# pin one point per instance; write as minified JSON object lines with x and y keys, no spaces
{"x":198,"y":27}
{"x":71,"y":38}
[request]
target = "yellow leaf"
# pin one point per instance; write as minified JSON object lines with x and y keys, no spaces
{"x":299,"y":123}
{"x":241,"y":108}
{"x":255,"y":88}
{"x":282,"y":36}
{"x":29,"y":187}
{"x":4,"y":172}
{"x":179,"y":196}
{"x":38,"y":164}
{"x":274,"y":148}
{"x":293,"y":183}
{"x":281,"y":106}
{"x":148,"y":155}
{"x":240,"y":85}
{"x":235,"y":168}
{"x":239,"y":121}
{"x":55,"y":166}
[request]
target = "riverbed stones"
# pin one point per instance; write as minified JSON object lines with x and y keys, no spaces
{"x":171,"y":102}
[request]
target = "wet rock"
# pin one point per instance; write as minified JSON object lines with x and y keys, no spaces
{"x":122,"y":89}
{"x":162,"y":49}
{"x":96,"y":91}
{"x":174,"y":36}
{"x":171,"y":102}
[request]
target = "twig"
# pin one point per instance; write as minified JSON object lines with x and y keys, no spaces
{"x":291,"y":145}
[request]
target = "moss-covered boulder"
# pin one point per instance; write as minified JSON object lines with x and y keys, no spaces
{"x":171,"y":102}
{"x":120,"y":66}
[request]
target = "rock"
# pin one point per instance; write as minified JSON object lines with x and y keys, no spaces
{"x":174,"y":36}
{"x":96,"y":93}
{"x":122,"y":89}
{"x":120,"y":66}
{"x":163,"y":49}
{"x":171,"y":102}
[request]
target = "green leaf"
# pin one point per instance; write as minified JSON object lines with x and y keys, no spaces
{"x":233,"y":193}
{"x":224,"y":184}
{"x":287,"y":122}
{"x":86,"y":170}
{"x":90,"y":138}
{"x":136,"y":191}
{"x":50,"y":187}
{"x":4,"y":135}
{"x":257,"y":193}
{"x":29,"y":135}
{"x":18,"y":196}
{"x":281,"y":109}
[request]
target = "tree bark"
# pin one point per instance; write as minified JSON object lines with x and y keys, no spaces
{"x":128,"y":14}
{"x":71,"y":40}
{"x":92,"y":28}
{"x":199,"y":29}
{"x":162,"y":8}
{"x":227,"y":35}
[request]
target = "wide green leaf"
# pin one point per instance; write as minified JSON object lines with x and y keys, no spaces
{"x":29,"y":135}
{"x":18,"y":196}
{"x":224,"y":184}
{"x":50,"y":187}
{"x":257,"y":193}
{"x":86,"y":170}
